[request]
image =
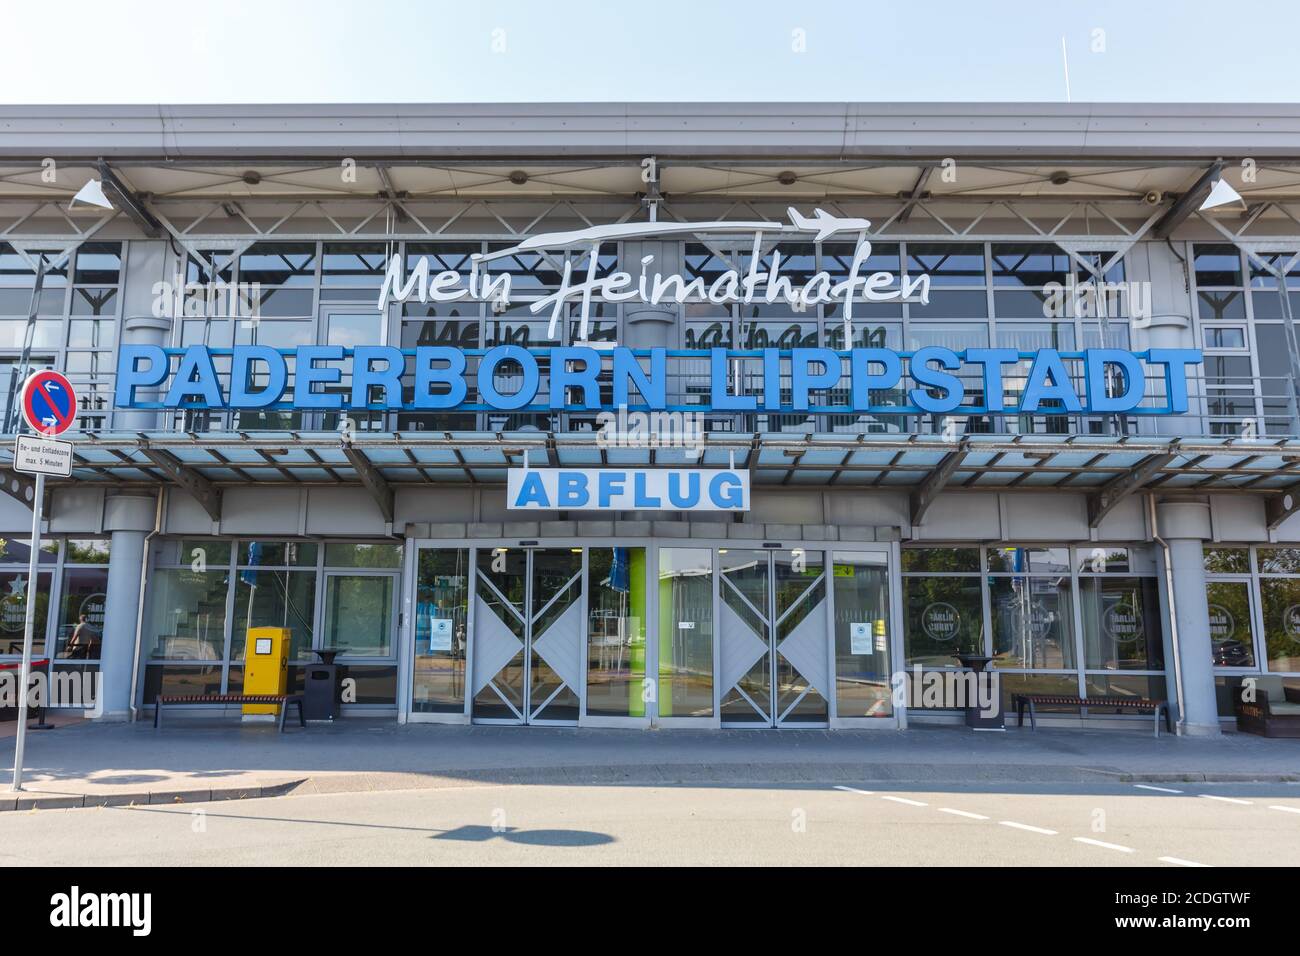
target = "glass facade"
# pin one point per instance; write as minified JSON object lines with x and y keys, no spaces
{"x":1075,"y":621}
{"x":205,"y":593}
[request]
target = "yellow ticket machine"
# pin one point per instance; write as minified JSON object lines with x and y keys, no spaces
{"x":266,"y":666}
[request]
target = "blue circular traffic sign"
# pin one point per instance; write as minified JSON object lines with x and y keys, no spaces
{"x":49,"y":403}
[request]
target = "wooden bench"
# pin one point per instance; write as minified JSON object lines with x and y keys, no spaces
{"x":190,"y":700}
{"x":1156,"y":707}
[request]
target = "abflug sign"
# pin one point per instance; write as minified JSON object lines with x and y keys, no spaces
{"x":510,"y":377}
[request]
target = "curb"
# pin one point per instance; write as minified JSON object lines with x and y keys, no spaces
{"x":741,"y":774}
{"x":33,"y":800}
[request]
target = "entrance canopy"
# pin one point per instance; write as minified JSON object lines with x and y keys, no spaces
{"x":1107,"y":468}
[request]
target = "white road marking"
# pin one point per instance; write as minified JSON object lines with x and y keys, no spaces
{"x":910,"y":803}
{"x":1143,"y":786}
{"x":1213,"y":796}
{"x":865,"y":793}
{"x":1278,"y":806}
{"x":1026,"y":826}
{"x":962,"y":813}
{"x":1104,"y":846}
{"x":1177,"y":862}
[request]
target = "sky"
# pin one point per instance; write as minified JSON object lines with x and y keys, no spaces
{"x":395,"y":51}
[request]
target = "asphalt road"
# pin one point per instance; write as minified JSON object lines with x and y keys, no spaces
{"x":1111,"y":825}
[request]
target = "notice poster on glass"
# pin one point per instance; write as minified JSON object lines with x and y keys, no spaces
{"x":860,"y":638}
{"x":439,"y":634}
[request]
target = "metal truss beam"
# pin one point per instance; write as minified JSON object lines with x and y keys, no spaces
{"x":923,"y":496}
{"x":918,"y":191}
{"x":200,"y":488}
{"x":1103,"y":502}
{"x":375,"y":482}
{"x":125,"y":199}
{"x":1188,"y":202}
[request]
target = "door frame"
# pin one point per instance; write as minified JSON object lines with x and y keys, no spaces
{"x":652,"y":546}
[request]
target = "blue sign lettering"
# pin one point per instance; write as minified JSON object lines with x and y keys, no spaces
{"x":579,"y":378}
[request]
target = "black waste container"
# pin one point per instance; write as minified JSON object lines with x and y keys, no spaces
{"x":322,"y":688}
{"x":975,"y":718}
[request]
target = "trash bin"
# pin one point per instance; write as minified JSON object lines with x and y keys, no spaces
{"x":322,"y":688}
{"x":975,"y":718}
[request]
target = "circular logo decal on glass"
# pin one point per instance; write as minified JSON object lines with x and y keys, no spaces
{"x":1121,"y":623}
{"x":940,"y":621}
{"x":1291,"y":621}
{"x":1036,"y":619}
{"x":1222,"y":623}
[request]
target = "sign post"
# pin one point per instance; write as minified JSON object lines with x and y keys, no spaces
{"x":49,"y":406}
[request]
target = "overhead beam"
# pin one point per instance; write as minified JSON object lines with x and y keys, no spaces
{"x":923,"y":496}
{"x":1103,"y":501}
{"x":390,"y":193}
{"x":198,"y":487}
{"x":917,"y":193}
{"x":1279,"y":507}
{"x":375,"y":483}
{"x":1188,"y":202}
{"x":20,"y":487}
{"x":125,"y":199}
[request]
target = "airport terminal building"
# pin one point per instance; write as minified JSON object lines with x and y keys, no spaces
{"x":676,"y":415}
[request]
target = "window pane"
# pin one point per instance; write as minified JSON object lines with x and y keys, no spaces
{"x":343,"y":555}
{"x":943,"y":617}
{"x":941,"y":559}
{"x":87,"y":551}
{"x":1032,"y":622}
{"x":81,"y":613}
{"x":1227,"y":561}
{"x":947,"y":263}
{"x":98,"y":263}
{"x":275,"y":599}
{"x":862,"y":667}
{"x":1217,"y":265}
{"x":357,"y":265}
{"x":279,"y":263}
{"x":359,"y":614}
{"x":198,"y":550}
{"x":1020,"y":560}
{"x":1232,"y":639}
{"x":441,"y":623}
{"x":685,"y":632}
{"x":19,"y":551}
{"x":1121,"y":624}
{"x":1279,"y":560}
{"x":1225,"y":338}
{"x":616,"y":631}
{"x":1281,"y":598}
{"x":298,"y":554}
{"x":13,"y":611}
{"x":187,"y":618}
{"x":94,"y":301}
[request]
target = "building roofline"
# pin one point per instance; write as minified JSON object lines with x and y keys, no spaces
{"x":628,"y":131}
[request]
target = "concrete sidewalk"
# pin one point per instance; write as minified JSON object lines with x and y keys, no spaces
{"x":91,"y":764}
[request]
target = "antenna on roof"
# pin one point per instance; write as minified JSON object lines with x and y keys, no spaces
{"x":1065,"y":61}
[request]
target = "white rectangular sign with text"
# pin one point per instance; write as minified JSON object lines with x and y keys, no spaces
{"x":628,"y":489}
